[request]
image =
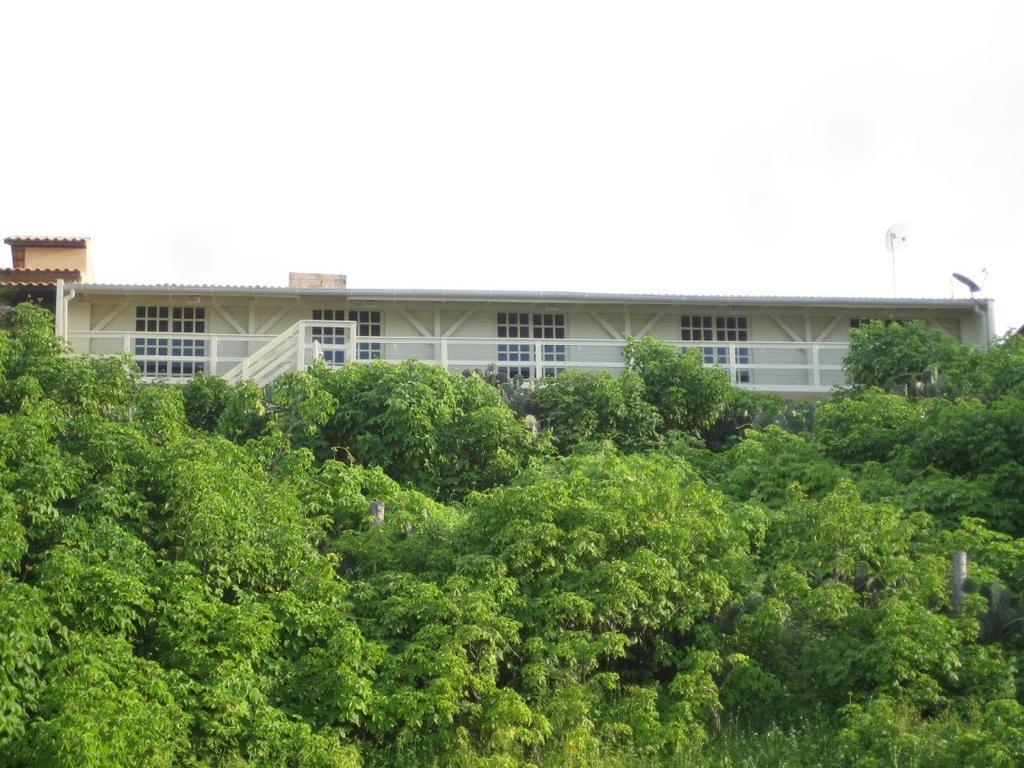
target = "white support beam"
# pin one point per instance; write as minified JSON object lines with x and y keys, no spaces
{"x":829,"y":328}
{"x":58,"y":314}
{"x":649,"y":325}
{"x":228,"y":319}
{"x":65,"y":302}
{"x":627,"y":321}
{"x":793,"y":335}
{"x":252,"y":317}
{"x":413,"y":322}
{"x":437,"y":320}
{"x":612,"y":333}
{"x":273,"y":319}
{"x":108,"y":318}
{"x":460,"y":322}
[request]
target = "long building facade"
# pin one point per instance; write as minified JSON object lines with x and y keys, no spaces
{"x":788,"y":345}
{"x":791,"y":346}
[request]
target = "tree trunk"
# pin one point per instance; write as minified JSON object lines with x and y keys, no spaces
{"x":958,"y":578}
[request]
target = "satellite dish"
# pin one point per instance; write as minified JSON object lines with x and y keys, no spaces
{"x":972,"y":286}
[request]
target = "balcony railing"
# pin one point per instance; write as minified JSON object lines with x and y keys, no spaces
{"x":771,"y":366}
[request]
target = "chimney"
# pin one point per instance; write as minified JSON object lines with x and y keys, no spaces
{"x":315,"y":280}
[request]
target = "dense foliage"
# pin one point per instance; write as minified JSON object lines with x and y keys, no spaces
{"x":656,"y":569}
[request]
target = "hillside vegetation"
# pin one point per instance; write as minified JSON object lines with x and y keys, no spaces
{"x":651,"y":570}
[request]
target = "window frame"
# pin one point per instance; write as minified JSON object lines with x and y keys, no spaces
{"x":528,"y":327}
{"x":178,"y":352}
{"x":370,"y":326}
{"x":717,"y":329}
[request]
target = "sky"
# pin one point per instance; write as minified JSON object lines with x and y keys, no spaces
{"x":666,"y":147}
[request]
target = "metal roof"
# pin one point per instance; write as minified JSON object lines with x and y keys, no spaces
{"x":448,"y":295}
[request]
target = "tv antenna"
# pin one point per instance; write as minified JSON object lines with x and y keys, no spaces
{"x":897,"y":236}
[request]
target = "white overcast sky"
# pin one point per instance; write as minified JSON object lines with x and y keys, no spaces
{"x":710,"y":148}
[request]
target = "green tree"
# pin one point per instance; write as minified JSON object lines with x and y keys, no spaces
{"x":104,"y":706}
{"x":206,"y":397}
{"x":866,"y":426}
{"x":773,"y":466}
{"x":689,"y":397}
{"x":756,"y":410}
{"x":900,"y":357}
{"x":580,"y":407}
{"x":193,"y":576}
{"x":445,"y":434}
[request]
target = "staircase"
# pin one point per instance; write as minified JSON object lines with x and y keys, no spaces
{"x":295,"y":350}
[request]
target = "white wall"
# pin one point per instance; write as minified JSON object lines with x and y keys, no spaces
{"x":228,"y":315}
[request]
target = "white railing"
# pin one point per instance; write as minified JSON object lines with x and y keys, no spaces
{"x":772,"y":366}
{"x":295,"y":350}
{"x":234,"y":357}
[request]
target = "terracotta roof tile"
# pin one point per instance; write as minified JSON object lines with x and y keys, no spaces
{"x":9,"y":276}
{"x":47,"y":242}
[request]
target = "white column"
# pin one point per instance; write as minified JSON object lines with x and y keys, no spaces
{"x":212,"y":341}
{"x":59,"y":329}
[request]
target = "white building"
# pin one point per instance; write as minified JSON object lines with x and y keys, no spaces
{"x":788,"y":345}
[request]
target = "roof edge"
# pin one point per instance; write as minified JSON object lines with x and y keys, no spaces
{"x":47,"y":242}
{"x":423,"y":294}
{"x":24,"y":276}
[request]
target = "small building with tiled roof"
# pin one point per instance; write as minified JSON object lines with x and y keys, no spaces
{"x":42,"y":259}
{"x":38,"y":264}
